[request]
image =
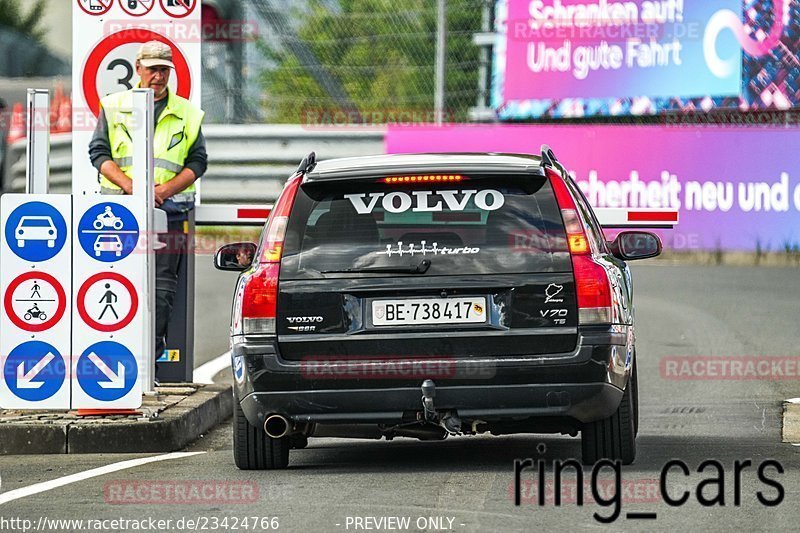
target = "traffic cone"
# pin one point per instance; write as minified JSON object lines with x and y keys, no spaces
{"x":16,"y":129}
{"x":63,"y":123}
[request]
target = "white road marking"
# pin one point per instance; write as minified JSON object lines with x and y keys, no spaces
{"x":23,"y":492}
{"x":204,"y":374}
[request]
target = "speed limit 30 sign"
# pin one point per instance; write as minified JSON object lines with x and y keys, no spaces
{"x":107,"y":35}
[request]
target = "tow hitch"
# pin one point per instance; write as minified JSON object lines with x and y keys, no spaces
{"x":449,"y":420}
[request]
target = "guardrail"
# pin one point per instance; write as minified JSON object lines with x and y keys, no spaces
{"x":247,"y":163}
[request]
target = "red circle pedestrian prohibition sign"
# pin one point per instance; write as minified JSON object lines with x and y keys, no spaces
{"x":136,"y":35}
{"x":28,"y":321}
{"x":110,"y":304}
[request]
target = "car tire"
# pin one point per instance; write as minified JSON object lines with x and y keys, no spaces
{"x":20,"y":244}
{"x":51,"y":244}
{"x":255,"y":450}
{"x":612,"y":438}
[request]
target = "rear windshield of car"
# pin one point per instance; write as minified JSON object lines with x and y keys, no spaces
{"x":480,"y":225}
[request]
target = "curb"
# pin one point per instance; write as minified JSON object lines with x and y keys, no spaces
{"x":175,"y":428}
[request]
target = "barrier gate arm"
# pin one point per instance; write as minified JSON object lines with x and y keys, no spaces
{"x":231,"y":214}
{"x":627,"y":217}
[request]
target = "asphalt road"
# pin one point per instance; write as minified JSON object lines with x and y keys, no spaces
{"x":466,"y":484}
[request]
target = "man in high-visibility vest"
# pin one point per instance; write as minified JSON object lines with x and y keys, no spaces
{"x":180,"y":158}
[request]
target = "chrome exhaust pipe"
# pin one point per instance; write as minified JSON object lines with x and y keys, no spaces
{"x":277,"y":426}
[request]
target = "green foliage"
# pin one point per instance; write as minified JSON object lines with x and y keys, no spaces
{"x":382,"y":54}
{"x":25,"y":21}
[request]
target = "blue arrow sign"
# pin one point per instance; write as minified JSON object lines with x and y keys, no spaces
{"x":108,"y":232}
{"x":36,"y":231}
{"x":107,"y":371}
{"x":34,"y":371}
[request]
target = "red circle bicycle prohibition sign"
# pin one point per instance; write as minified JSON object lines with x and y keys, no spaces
{"x":113,"y":276}
{"x":61,"y":304}
{"x":135,"y":35}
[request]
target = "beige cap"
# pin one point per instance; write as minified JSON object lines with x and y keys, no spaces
{"x":155,"y":54}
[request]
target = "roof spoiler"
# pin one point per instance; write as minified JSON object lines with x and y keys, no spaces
{"x":548,"y":157}
{"x":308,"y":163}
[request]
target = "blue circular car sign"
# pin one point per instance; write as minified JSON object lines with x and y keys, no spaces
{"x":107,"y":371}
{"x":108,"y":232}
{"x":34,"y":371}
{"x":36,"y":231}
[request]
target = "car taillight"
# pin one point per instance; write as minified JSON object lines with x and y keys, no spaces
{"x":259,"y":295}
{"x":592,"y":286}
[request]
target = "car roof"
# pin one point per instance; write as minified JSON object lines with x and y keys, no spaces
{"x":354,"y":167}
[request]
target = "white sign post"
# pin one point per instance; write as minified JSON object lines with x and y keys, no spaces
{"x":106,"y":35}
{"x":113,"y":334}
{"x":35,"y":287}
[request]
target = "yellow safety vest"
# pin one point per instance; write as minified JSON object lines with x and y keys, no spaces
{"x":176,"y":130}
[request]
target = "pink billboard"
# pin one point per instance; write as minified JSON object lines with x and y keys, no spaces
{"x":737,"y":188}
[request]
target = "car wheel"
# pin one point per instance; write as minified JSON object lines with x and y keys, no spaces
{"x":20,"y":244}
{"x":51,"y":244}
{"x":97,"y":253}
{"x":614,"y":437}
{"x":253,"y":449}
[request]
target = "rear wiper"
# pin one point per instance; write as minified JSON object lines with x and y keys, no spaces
{"x":421,"y":268}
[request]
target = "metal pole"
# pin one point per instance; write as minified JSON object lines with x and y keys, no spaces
{"x":37,"y":171}
{"x":441,"y":43}
{"x":143,"y":187}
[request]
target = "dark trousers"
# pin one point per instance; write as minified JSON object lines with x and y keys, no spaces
{"x":168,"y":264}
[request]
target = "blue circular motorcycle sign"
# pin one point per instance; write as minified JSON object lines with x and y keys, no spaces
{"x":108,"y":232}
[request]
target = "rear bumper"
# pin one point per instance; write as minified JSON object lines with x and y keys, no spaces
{"x":583,"y":402}
{"x":584,"y":385}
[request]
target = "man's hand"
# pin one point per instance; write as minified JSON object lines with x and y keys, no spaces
{"x":159,"y":196}
{"x":111,"y":170}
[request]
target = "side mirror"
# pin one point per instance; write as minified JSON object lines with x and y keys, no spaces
{"x":236,"y":257}
{"x":633,"y":245}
